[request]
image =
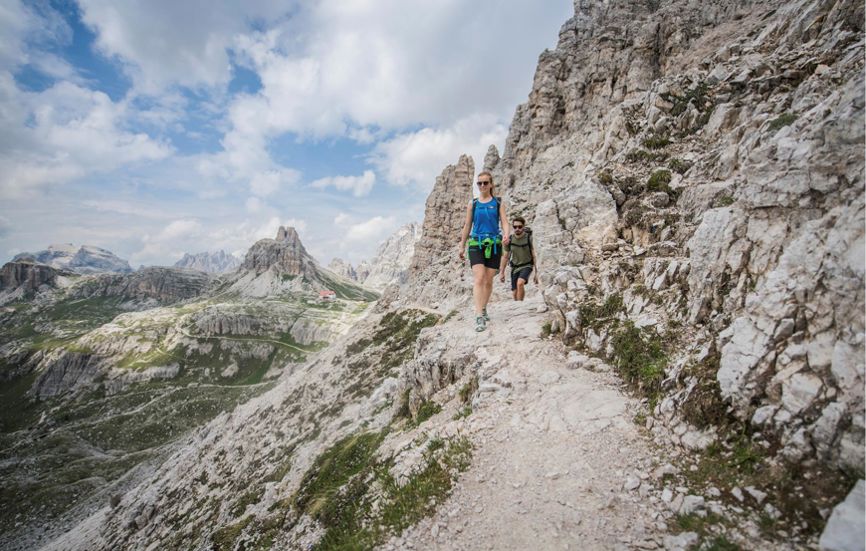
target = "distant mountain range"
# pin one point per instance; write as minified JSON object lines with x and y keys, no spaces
{"x":86,"y":259}
{"x":211,"y":262}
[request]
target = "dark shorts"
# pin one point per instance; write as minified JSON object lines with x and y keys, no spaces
{"x":476,"y":256}
{"x":520,"y":273}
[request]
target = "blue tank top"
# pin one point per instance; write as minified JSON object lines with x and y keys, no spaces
{"x":485,"y":222}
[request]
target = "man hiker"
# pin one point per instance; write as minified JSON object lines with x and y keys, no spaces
{"x":522,"y":256}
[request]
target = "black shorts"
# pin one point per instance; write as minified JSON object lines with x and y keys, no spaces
{"x":520,"y":273}
{"x":476,"y":256}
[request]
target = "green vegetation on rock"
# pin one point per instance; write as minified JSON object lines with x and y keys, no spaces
{"x":640,"y":358}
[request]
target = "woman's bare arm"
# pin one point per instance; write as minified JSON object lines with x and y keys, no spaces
{"x":467,"y":227}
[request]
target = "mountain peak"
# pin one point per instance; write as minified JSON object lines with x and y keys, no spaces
{"x":287,"y":233}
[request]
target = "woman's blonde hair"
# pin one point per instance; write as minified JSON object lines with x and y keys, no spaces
{"x":492,"y":185}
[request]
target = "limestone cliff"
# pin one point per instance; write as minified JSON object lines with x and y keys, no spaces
{"x":436,"y":274}
{"x":698,"y":169}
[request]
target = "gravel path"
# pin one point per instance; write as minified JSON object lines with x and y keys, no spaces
{"x":555,"y":450}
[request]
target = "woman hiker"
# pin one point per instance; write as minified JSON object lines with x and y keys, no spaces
{"x":485,"y":216}
{"x":522,"y":256}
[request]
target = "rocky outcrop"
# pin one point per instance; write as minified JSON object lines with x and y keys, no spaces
{"x":701,"y":166}
{"x":86,"y":259}
{"x":164,"y":285}
{"x":436,"y":274}
{"x":27,"y":276}
{"x":210,"y":262}
{"x":283,"y":255}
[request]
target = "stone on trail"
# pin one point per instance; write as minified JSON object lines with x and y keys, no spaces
{"x":846,"y":531}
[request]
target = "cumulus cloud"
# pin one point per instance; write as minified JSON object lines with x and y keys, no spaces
{"x":372,"y":229}
{"x":358,"y":185}
{"x":63,"y":133}
{"x":194,"y":37}
{"x":417,"y":158}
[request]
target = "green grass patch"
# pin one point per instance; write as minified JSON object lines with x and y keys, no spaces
{"x":656,"y":141}
{"x":781,"y":121}
{"x":659,"y":181}
{"x":644,"y":156}
{"x":596,"y":315}
{"x":605,"y":177}
{"x":640,"y":358}
{"x":697,"y":96}
{"x":426,"y":410}
{"x":333,"y":469}
{"x":347,"y":482}
{"x":724,"y":200}
{"x":224,"y":539}
{"x":467,"y":390}
{"x":679,"y":166}
{"x":247,"y":498}
{"x":704,"y":406}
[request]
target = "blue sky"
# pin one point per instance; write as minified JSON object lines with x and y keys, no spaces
{"x":162,"y":127}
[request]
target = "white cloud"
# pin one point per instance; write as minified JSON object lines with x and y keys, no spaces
{"x":63,"y":133}
{"x":358,"y":185}
{"x":417,"y":158}
{"x":372,"y":229}
{"x":180,"y":228}
{"x":254,"y":204}
{"x":165,"y":42}
{"x":267,"y":182}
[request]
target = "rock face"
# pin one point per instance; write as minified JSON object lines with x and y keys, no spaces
{"x":214,"y":263}
{"x":393,"y":257}
{"x":845,"y":528}
{"x":284,"y":255}
{"x":389,"y":266}
{"x":165,"y":285}
{"x":86,"y":259}
{"x":343,"y":268}
{"x":702,"y":165}
{"x":27,"y":276}
{"x":436,"y":272}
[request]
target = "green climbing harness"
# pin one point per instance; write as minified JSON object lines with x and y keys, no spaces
{"x":490,"y":244}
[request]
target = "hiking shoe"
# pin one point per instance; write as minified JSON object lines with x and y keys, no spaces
{"x":484,"y":315}
{"x":480,"y":324}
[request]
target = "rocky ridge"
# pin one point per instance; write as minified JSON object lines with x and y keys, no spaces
{"x":211,"y":262}
{"x":86,"y":259}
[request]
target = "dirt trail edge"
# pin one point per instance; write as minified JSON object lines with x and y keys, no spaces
{"x":558,"y":461}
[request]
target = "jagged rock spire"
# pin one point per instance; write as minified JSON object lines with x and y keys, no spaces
{"x":491,"y":159}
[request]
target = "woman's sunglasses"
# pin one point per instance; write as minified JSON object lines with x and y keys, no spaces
{"x":483,"y":184}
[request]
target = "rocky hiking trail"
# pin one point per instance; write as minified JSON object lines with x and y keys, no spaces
{"x":558,"y":462}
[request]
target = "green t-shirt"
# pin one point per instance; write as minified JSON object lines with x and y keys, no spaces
{"x":519,"y":249}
